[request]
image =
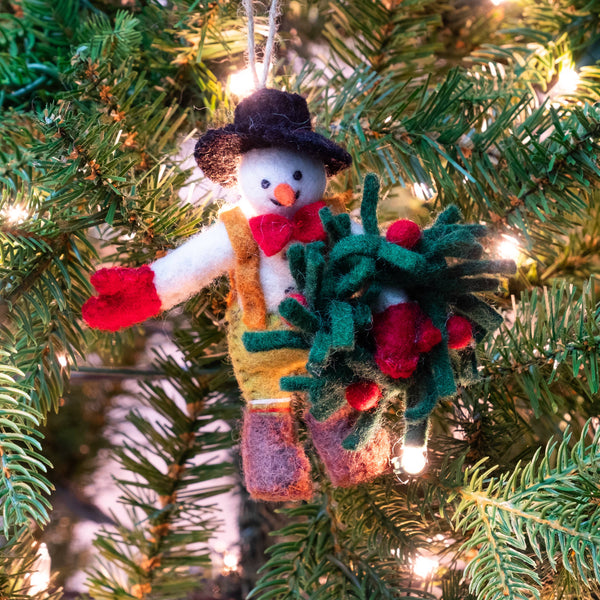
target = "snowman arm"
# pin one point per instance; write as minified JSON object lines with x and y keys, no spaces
{"x":193,"y":265}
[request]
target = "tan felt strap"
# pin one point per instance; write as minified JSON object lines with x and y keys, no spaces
{"x":337,"y":203}
{"x":246,"y":278}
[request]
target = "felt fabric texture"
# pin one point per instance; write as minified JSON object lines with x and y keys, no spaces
{"x":275,"y":465}
{"x":346,"y":468}
{"x":404,"y":232}
{"x":460,"y":332}
{"x":126,"y":296}
{"x":363,"y":395}
{"x":264,"y":170}
{"x":258,"y":374}
{"x":268,"y":118}
{"x":402,"y":332}
{"x":245,"y":277}
{"x":362,"y":271}
{"x":195,"y":264}
{"x":274,"y":232}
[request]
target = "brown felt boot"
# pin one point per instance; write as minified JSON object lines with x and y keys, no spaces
{"x":276,"y":468}
{"x":346,"y":468}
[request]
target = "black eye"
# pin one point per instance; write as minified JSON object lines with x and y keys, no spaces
{"x":297,"y":175}
{"x":265,"y":183}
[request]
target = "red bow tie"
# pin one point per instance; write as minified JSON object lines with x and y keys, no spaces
{"x":274,"y":232}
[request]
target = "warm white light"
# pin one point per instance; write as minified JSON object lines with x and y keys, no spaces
{"x":242,"y":83}
{"x":423,"y":566}
{"x":422,"y":191}
{"x":230,"y":562}
{"x":39,"y":579}
{"x":15,"y":214}
{"x":497,"y":2}
{"x":414,"y":459}
{"x":509,"y":248}
{"x":62,"y":360}
{"x":568,"y":80}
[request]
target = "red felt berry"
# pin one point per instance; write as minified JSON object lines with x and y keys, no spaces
{"x":460,"y":332}
{"x":363,"y":395}
{"x":299,"y":298}
{"x":405,"y":233}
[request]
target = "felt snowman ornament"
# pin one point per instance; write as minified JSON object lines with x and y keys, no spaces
{"x":280,"y":166}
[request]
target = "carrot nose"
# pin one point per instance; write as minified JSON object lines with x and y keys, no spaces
{"x":284,"y":194}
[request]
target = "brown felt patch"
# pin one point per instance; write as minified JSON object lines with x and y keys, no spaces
{"x":347,"y":468}
{"x":246,"y":278}
{"x":276,"y":468}
{"x":338,"y":202}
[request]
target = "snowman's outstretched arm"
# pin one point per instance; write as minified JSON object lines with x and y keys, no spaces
{"x":131,"y":295}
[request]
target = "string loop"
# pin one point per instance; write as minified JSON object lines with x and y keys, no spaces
{"x":273,"y":13}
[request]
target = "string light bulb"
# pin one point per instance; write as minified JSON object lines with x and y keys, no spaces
{"x":509,"y":248}
{"x":39,"y":578}
{"x":424,"y":566}
{"x":568,"y":80}
{"x":413,"y":459}
{"x":15,"y":214}
{"x":241,"y":84}
{"x":62,"y":360}
{"x":230,"y":562}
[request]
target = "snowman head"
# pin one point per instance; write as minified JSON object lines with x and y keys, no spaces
{"x":279,"y":180}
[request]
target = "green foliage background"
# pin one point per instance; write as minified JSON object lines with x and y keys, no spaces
{"x":458,"y":97}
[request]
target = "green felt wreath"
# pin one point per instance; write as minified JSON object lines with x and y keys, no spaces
{"x":341,"y":280}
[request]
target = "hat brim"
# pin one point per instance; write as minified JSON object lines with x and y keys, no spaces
{"x":218,"y":150}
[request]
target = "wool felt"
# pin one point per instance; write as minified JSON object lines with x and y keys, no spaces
{"x":363,"y":395}
{"x":402,"y":333}
{"x":259,"y":284}
{"x":245,"y":279}
{"x":184,"y":271}
{"x":353,"y":269}
{"x":126,"y":296}
{"x":460,"y":332}
{"x":258,"y":374}
{"x":348,"y":468}
{"x":405,"y":233}
{"x":276,"y":467}
{"x":268,"y":118}
{"x":273,"y":232}
{"x":263,"y":171}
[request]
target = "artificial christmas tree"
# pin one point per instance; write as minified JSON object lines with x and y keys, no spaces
{"x":486,"y":106}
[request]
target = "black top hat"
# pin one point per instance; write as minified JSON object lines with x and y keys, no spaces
{"x":265,"y":119}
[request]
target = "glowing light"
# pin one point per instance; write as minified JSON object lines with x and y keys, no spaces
{"x":242,"y":83}
{"x":230,"y":562}
{"x":39,"y":578}
{"x":15,"y":214}
{"x":424,"y":566}
{"x":497,"y":2}
{"x":509,"y":248}
{"x":422,"y":191}
{"x":62,"y":360}
{"x":568,"y":80}
{"x":414,"y":459}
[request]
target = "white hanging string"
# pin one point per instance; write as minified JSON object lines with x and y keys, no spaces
{"x":273,"y":12}
{"x":270,"y":41}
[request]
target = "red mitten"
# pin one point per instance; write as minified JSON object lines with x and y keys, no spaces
{"x":126,"y":296}
{"x":460,"y":332}
{"x":402,"y":332}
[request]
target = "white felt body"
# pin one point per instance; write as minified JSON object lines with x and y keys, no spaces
{"x":187,"y":269}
